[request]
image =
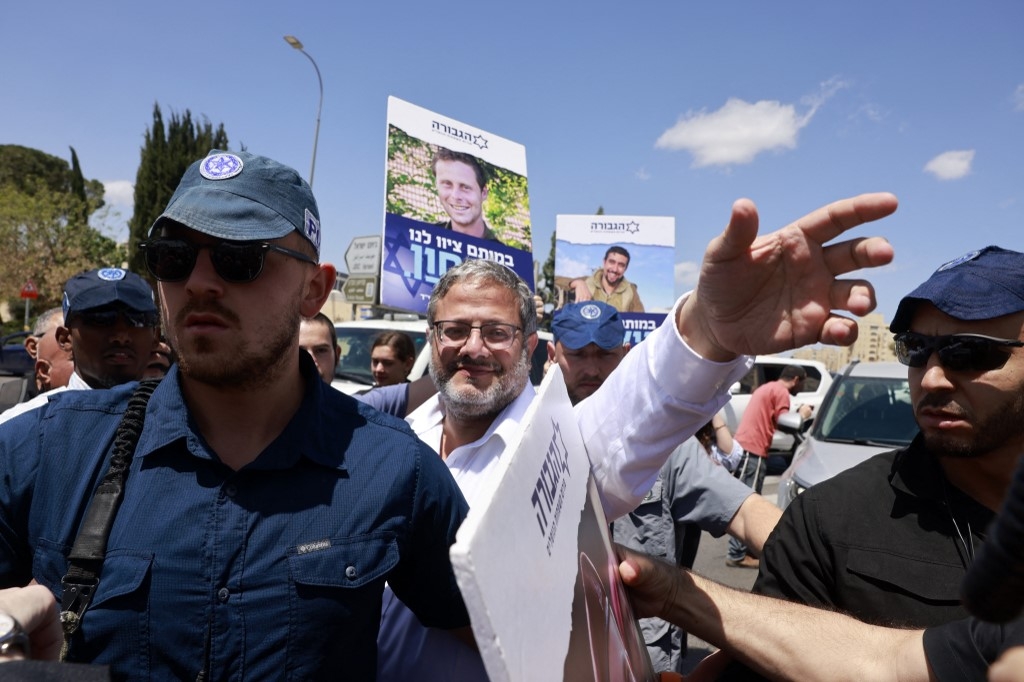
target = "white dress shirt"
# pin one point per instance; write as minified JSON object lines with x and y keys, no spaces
{"x":657,"y":397}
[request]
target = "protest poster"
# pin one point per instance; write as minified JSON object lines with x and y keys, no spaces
{"x":453,"y":192}
{"x":535,"y":564}
{"x":624,"y":260}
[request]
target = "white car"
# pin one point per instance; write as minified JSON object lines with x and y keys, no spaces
{"x":767,"y":368}
{"x":867,"y":412}
{"x":356,"y":336}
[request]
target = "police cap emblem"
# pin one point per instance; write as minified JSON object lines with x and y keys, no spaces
{"x":220,"y":166}
{"x":590,"y":312}
{"x":111,"y":274}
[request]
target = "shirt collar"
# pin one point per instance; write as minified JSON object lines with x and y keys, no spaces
{"x":916,"y":472}
{"x":168,"y":420}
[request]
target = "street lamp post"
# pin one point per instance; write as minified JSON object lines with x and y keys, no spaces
{"x":294,"y":42}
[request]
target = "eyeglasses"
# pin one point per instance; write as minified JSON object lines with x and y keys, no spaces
{"x":495,"y":335}
{"x":109,"y":317}
{"x":957,"y":352}
{"x":172,"y":260}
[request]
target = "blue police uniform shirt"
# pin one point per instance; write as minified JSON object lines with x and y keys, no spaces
{"x":272,"y":572}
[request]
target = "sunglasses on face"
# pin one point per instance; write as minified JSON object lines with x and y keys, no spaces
{"x":109,"y":317}
{"x":172,"y":260}
{"x":957,"y":352}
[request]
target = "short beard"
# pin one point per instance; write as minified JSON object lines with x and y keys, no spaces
{"x":466,"y":404}
{"x":1005,"y":425}
{"x":246,"y":367}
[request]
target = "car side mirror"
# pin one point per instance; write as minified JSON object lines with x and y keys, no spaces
{"x":791,"y":423}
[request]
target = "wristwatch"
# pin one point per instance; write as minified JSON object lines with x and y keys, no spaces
{"x":12,"y":636}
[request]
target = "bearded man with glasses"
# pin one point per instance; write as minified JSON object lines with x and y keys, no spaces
{"x":890,"y":540}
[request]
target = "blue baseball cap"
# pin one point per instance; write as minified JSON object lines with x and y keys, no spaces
{"x":102,"y":287}
{"x":579,"y":324}
{"x":980,"y":285}
{"x":243,"y":197}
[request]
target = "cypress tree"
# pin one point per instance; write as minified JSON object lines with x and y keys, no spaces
{"x":165,"y":155}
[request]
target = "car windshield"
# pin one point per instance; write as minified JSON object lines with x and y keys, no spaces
{"x":868,"y":410}
{"x":355,"y":342}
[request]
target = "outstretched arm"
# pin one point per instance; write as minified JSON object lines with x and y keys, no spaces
{"x":778,"y":291}
{"x":796,"y":642}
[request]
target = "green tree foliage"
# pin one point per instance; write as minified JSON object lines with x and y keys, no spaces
{"x":165,"y":155}
{"x":44,"y":231}
{"x":546,"y":283}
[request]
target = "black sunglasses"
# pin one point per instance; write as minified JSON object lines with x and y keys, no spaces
{"x":172,"y":260}
{"x":109,"y":317}
{"x":957,"y":352}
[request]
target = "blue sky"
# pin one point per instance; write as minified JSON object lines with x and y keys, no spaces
{"x":649,"y":108}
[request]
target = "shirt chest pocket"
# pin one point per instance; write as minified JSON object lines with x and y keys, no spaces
{"x":118,"y":615}
{"x":335,"y":596}
{"x":921,"y":579}
{"x":350,"y":563}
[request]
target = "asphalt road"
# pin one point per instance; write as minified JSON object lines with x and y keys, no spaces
{"x":710,"y":563}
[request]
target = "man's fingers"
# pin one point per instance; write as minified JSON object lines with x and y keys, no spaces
{"x":854,"y":254}
{"x":855,"y":295}
{"x":739,"y":234}
{"x":838,"y":331}
{"x":828,"y":222}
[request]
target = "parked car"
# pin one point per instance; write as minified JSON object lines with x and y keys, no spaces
{"x":355,"y":337}
{"x":14,"y":359}
{"x":867,"y":411}
{"x":767,"y":368}
{"x":352,"y":374}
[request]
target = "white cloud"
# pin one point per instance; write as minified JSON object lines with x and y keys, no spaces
{"x":570,"y":267}
{"x":120,"y":193}
{"x":739,"y":131}
{"x":642,"y":174}
{"x":1018,"y":98}
{"x":951,"y":165}
{"x":686,"y":274}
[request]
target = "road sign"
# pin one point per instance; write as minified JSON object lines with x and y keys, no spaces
{"x":362,"y":258}
{"x":29,"y":290}
{"x":360,"y":289}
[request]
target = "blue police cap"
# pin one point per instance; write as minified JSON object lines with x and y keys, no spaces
{"x":242,"y":197}
{"x":579,"y":324}
{"x":980,"y":285}
{"x":98,"y":288}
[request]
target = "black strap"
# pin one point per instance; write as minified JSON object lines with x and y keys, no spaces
{"x":90,"y":548}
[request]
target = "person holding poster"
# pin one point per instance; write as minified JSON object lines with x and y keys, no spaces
{"x":462,"y":188}
{"x":609,"y":283}
{"x":483,"y":331}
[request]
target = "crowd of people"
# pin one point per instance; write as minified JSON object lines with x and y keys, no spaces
{"x":242,"y":519}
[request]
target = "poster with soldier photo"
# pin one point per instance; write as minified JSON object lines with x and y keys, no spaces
{"x":624,"y":260}
{"x":453,"y":192}
{"x":535,"y":563}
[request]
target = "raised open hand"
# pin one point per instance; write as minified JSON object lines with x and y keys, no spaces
{"x":781,"y":290}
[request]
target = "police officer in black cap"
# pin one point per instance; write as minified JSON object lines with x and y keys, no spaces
{"x":890,"y":540}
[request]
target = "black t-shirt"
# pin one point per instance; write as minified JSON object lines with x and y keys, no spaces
{"x":963,"y":649}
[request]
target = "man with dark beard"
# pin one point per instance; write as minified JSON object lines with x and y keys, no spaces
{"x":262,"y":510}
{"x":890,"y":540}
